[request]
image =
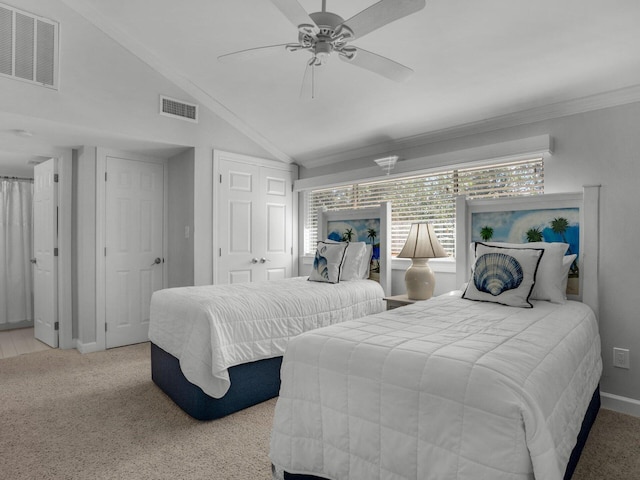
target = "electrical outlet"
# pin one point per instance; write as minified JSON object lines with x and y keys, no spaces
{"x":621,"y":358}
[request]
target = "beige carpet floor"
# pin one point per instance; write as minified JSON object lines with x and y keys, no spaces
{"x":64,"y":415}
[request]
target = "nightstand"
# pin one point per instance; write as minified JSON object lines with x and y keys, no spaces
{"x":398,"y":301}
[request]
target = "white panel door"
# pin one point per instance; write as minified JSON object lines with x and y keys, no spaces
{"x":276,"y":223}
{"x":45,"y":278}
{"x":134,"y":247}
{"x":254,"y":227}
{"x":235,"y":228}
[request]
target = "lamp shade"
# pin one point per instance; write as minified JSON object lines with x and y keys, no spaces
{"x":422,"y":243}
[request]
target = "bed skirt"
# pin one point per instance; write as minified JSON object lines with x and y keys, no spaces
{"x":251,"y":383}
{"x":587,"y":422}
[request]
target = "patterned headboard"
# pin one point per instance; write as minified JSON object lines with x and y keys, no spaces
{"x":370,"y":225}
{"x":567,"y":217}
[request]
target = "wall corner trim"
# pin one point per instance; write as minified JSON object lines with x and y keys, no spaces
{"x":88,"y":347}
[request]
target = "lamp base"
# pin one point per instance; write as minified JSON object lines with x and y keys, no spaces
{"x":419,"y":279}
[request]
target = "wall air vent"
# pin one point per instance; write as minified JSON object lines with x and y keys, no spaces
{"x":28,"y":47}
{"x":178,"y":109}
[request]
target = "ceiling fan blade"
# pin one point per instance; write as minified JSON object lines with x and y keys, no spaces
{"x":294,"y":12}
{"x":381,"y":13}
{"x":251,"y":53}
{"x":379,"y":64}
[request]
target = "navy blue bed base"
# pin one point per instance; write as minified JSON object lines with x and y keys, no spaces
{"x":251,"y":383}
{"x":587,"y":422}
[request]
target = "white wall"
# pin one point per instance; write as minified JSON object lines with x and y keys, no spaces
{"x":180,"y":218}
{"x":203,"y":217}
{"x":84,"y":321}
{"x":599,"y":147}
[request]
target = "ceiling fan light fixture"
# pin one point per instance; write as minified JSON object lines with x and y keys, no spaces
{"x":387,"y":163}
{"x":323,"y":50}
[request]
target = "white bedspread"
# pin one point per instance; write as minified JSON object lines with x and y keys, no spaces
{"x":214,"y":327}
{"x":443,"y":389}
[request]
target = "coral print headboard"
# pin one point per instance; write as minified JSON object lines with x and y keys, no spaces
{"x":371,"y":225}
{"x":568,"y":218}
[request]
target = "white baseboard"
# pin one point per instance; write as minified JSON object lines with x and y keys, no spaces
{"x":620,"y":404}
{"x":88,"y":347}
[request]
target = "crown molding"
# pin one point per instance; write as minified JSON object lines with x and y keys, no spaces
{"x":598,"y":101}
{"x":512,"y":150}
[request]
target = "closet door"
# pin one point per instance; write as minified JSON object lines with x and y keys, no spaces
{"x":254,"y":221}
{"x":275,"y":220}
{"x":235,"y":229}
{"x":134,"y":247}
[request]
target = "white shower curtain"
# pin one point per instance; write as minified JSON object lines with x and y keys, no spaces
{"x":16,"y":276}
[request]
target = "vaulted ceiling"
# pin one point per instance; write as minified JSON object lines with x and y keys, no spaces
{"x":474,"y":63}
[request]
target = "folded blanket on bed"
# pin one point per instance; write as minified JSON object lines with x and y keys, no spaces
{"x":211,"y":328}
{"x":447,"y":388}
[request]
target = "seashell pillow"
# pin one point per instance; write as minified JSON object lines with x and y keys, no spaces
{"x":549,"y":279}
{"x":503,"y":275}
{"x":327,"y":263}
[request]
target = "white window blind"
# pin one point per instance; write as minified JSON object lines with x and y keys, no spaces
{"x":426,"y":198}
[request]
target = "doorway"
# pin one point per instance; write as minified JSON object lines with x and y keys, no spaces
{"x":16,"y":236}
{"x":63,"y":307}
{"x":19,"y":342}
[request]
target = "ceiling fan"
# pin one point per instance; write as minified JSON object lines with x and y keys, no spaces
{"x":325,"y":33}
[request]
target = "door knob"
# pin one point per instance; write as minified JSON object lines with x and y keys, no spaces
{"x":34,"y":261}
{"x":263,"y":260}
{"x":254,"y":260}
{"x":156,"y":261}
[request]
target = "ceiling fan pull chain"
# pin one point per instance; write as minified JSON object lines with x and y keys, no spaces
{"x":313,"y":82}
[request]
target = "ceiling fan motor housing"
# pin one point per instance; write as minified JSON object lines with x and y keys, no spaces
{"x":327,"y":22}
{"x":330,"y":34}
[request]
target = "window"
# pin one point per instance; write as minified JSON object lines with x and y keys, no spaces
{"x":426,"y":198}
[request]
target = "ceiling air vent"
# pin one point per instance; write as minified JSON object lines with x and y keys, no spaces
{"x":178,"y":109}
{"x":28,"y":47}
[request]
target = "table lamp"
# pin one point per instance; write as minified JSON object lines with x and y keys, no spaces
{"x":421,"y":245}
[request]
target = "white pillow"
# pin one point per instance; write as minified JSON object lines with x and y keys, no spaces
{"x":352,"y":261}
{"x":365,"y":265}
{"x":327,"y":263}
{"x":550,"y":272}
{"x":504,"y":275}
{"x":567,"y":260}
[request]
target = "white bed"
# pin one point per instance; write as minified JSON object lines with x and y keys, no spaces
{"x":448,"y":388}
{"x":217,"y":348}
{"x":221,"y":326}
